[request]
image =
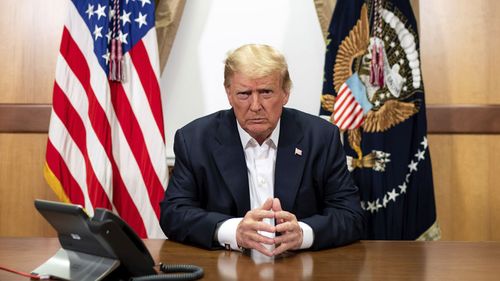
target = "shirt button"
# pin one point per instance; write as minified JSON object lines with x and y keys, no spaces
{"x":261,"y":181}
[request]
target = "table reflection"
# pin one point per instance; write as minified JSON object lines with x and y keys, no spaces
{"x":253,"y":265}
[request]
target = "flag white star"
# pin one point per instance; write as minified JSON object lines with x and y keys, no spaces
{"x":424,"y":142}
{"x":111,"y":13}
{"x":393,"y":194}
{"x":420,"y":155}
{"x":141,"y":19}
{"x":108,"y":35}
{"x":144,"y":2}
{"x":100,"y":11}
{"x":106,"y":56}
{"x":413,"y":166}
{"x":90,"y":11}
{"x":385,"y":201}
{"x":377,"y":205}
{"x":403,"y":188}
{"x":371,"y":207}
{"x":125,"y":17}
{"x":123,"y":37}
{"x":97,"y":32}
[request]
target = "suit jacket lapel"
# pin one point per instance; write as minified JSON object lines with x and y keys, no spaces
{"x":230,"y":160}
{"x":290,"y":161}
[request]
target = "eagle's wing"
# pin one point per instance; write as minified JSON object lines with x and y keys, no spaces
{"x":353,"y":46}
{"x":389,"y":115}
{"x":327,"y":102}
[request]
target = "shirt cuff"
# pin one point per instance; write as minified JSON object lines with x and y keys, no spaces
{"x":307,"y":235}
{"x":227,"y":233}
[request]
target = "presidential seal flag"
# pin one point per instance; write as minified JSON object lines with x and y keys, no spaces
{"x":106,"y":145}
{"x":373,"y":91}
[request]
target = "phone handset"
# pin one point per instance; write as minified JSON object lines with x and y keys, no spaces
{"x":136,"y":259}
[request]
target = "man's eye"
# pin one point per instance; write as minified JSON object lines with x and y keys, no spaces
{"x":243,"y":95}
{"x":266,"y":93}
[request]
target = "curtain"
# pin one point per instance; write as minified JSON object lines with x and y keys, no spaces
{"x":168,"y":17}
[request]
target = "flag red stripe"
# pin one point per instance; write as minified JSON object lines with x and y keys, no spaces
{"x":355,"y":116}
{"x":125,"y":205}
{"x":72,"y":120}
{"x":142,"y":64}
{"x":62,"y":173}
{"x":341,"y":105}
{"x":77,"y":63}
{"x":348,"y":113}
{"x":340,"y":96}
{"x":135,"y":138}
{"x":76,"y":129}
{"x":123,"y":202}
{"x":344,"y":113}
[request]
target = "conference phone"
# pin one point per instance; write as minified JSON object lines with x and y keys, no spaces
{"x":102,"y":247}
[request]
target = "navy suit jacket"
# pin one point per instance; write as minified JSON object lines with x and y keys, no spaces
{"x":209,"y":183}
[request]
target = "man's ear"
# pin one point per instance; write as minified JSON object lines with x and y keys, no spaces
{"x":228,"y":94}
{"x":285,"y":98}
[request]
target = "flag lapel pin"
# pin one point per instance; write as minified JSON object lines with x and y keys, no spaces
{"x":298,"y":152}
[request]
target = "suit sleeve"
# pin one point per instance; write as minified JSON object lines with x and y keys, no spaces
{"x":182,"y":217}
{"x":341,"y":220}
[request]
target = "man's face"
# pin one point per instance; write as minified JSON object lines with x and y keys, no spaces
{"x":257,"y":103}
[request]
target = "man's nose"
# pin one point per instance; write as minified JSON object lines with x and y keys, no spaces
{"x":255,"y":104}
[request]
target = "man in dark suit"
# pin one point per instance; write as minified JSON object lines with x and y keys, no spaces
{"x":260,"y":176}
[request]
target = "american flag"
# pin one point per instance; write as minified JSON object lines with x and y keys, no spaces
{"x":348,"y":113}
{"x":106,"y":144}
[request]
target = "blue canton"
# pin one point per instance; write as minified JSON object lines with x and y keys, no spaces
{"x":136,"y":19}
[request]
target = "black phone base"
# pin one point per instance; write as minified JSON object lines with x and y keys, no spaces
{"x":73,"y":265}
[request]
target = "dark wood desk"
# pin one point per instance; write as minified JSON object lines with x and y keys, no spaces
{"x":365,"y":260}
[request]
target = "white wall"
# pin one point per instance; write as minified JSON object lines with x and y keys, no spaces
{"x":192,"y":82}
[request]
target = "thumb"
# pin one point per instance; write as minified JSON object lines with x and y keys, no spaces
{"x":268,"y":205}
{"x":277,"y":205}
{"x":277,"y":208}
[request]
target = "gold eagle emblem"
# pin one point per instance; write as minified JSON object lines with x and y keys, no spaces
{"x":354,"y":55}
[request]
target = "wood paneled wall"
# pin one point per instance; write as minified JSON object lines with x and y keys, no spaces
{"x":459,"y":47}
{"x":31,"y":33}
{"x":460,"y":65}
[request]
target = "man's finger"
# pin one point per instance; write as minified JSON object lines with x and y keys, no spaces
{"x":287,"y":227}
{"x":288,"y":238}
{"x":277,"y":209}
{"x":262,"y":226}
{"x":284,"y":216}
{"x":268,"y":205}
{"x":259,"y":214}
{"x":277,"y":205}
{"x":261,"y":239}
{"x":281,"y":248}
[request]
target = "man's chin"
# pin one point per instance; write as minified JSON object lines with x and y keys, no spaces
{"x":259,"y":130}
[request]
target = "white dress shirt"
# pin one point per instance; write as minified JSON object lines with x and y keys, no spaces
{"x":261,"y":162}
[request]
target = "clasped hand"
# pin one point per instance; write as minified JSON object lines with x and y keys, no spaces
{"x":286,"y":225}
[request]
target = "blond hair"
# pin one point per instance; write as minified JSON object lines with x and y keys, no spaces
{"x":257,"y":61}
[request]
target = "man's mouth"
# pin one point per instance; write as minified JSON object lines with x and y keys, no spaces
{"x":257,"y":120}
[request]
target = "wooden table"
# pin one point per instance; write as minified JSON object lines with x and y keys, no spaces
{"x":365,"y":260}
